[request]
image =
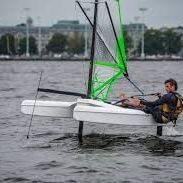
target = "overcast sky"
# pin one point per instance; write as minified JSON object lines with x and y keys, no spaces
{"x":160,"y":12}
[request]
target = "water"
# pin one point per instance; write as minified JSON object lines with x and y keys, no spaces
{"x":110,"y":153}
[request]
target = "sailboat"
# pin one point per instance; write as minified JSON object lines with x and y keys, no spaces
{"x":108,"y":63}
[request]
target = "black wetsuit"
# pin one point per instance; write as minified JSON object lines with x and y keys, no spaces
{"x":155,"y":107}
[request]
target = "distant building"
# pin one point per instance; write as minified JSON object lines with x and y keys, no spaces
{"x":66,"y":27}
{"x":134,"y":30}
{"x":69,"y":27}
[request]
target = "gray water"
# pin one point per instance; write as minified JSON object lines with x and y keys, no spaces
{"x":109,"y":153}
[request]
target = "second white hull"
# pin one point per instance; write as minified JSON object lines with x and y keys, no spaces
{"x":99,"y":112}
{"x":48,"y":108}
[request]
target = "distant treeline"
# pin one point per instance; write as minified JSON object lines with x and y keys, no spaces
{"x":159,"y":42}
{"x":156,"y":42}
{"x":59,"y":43}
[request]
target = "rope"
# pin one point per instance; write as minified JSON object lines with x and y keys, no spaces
{"x":34,"y":105}
{"x":84,"y":77}
{"x":126,"y":76}
{"x":144,"y":95}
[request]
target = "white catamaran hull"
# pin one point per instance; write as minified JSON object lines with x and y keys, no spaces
{"x":100,"y":112}
{"x":88,"y":110}
{"x":48,"y":108}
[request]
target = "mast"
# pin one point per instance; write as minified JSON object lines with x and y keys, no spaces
{"x":92,"y":50}
{"x":80,"y":129}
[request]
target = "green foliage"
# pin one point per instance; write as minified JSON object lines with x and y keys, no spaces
{"x":57,"y":44}
{"x":128,"y":41}
{"x":32,"y":45}
{"x":161,"y":42}
{"x":76,"y":44}
{"x":153,"y":42}
{"x":7,"y":44}
{"x":172,"y":42}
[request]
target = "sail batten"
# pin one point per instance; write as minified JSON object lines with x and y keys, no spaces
{"x":108,"y":81}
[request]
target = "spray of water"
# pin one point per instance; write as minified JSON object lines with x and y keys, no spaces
{"x":170,"y":131}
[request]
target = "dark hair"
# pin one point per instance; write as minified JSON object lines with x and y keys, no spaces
{"x":172,"y":82}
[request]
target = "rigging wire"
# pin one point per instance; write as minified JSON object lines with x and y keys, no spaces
{"x":143,"y":95}
{"x":84,"y":76}
{"x":149,"y":94}
{"x":83,"y":64}
{"x":98,"y":34}
{"x":114,"y":31}
{"x":90,"y":2}
{"x":134,"y":84}
{"x":32,"y":115}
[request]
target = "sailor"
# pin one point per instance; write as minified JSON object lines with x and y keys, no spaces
{"x":166,"y":108}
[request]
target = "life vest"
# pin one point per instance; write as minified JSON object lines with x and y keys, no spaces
{"x":168,"y":115}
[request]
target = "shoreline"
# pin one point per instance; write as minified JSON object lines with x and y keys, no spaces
{"x":82,"y":59}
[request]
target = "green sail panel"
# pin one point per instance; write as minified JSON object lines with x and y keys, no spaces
{"x":110,"y":57}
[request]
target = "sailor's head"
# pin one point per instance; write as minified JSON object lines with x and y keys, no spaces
{"x":171,"y":85}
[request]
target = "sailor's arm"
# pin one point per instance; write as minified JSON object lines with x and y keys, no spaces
{"x":157,"y":102}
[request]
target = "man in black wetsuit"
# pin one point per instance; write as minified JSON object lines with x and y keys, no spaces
{"x":167,"y":107}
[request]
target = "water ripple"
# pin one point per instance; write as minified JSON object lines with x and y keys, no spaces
{"x":48,"y":165}
{"x":109,"y":153}
{"x":15,"y":179}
